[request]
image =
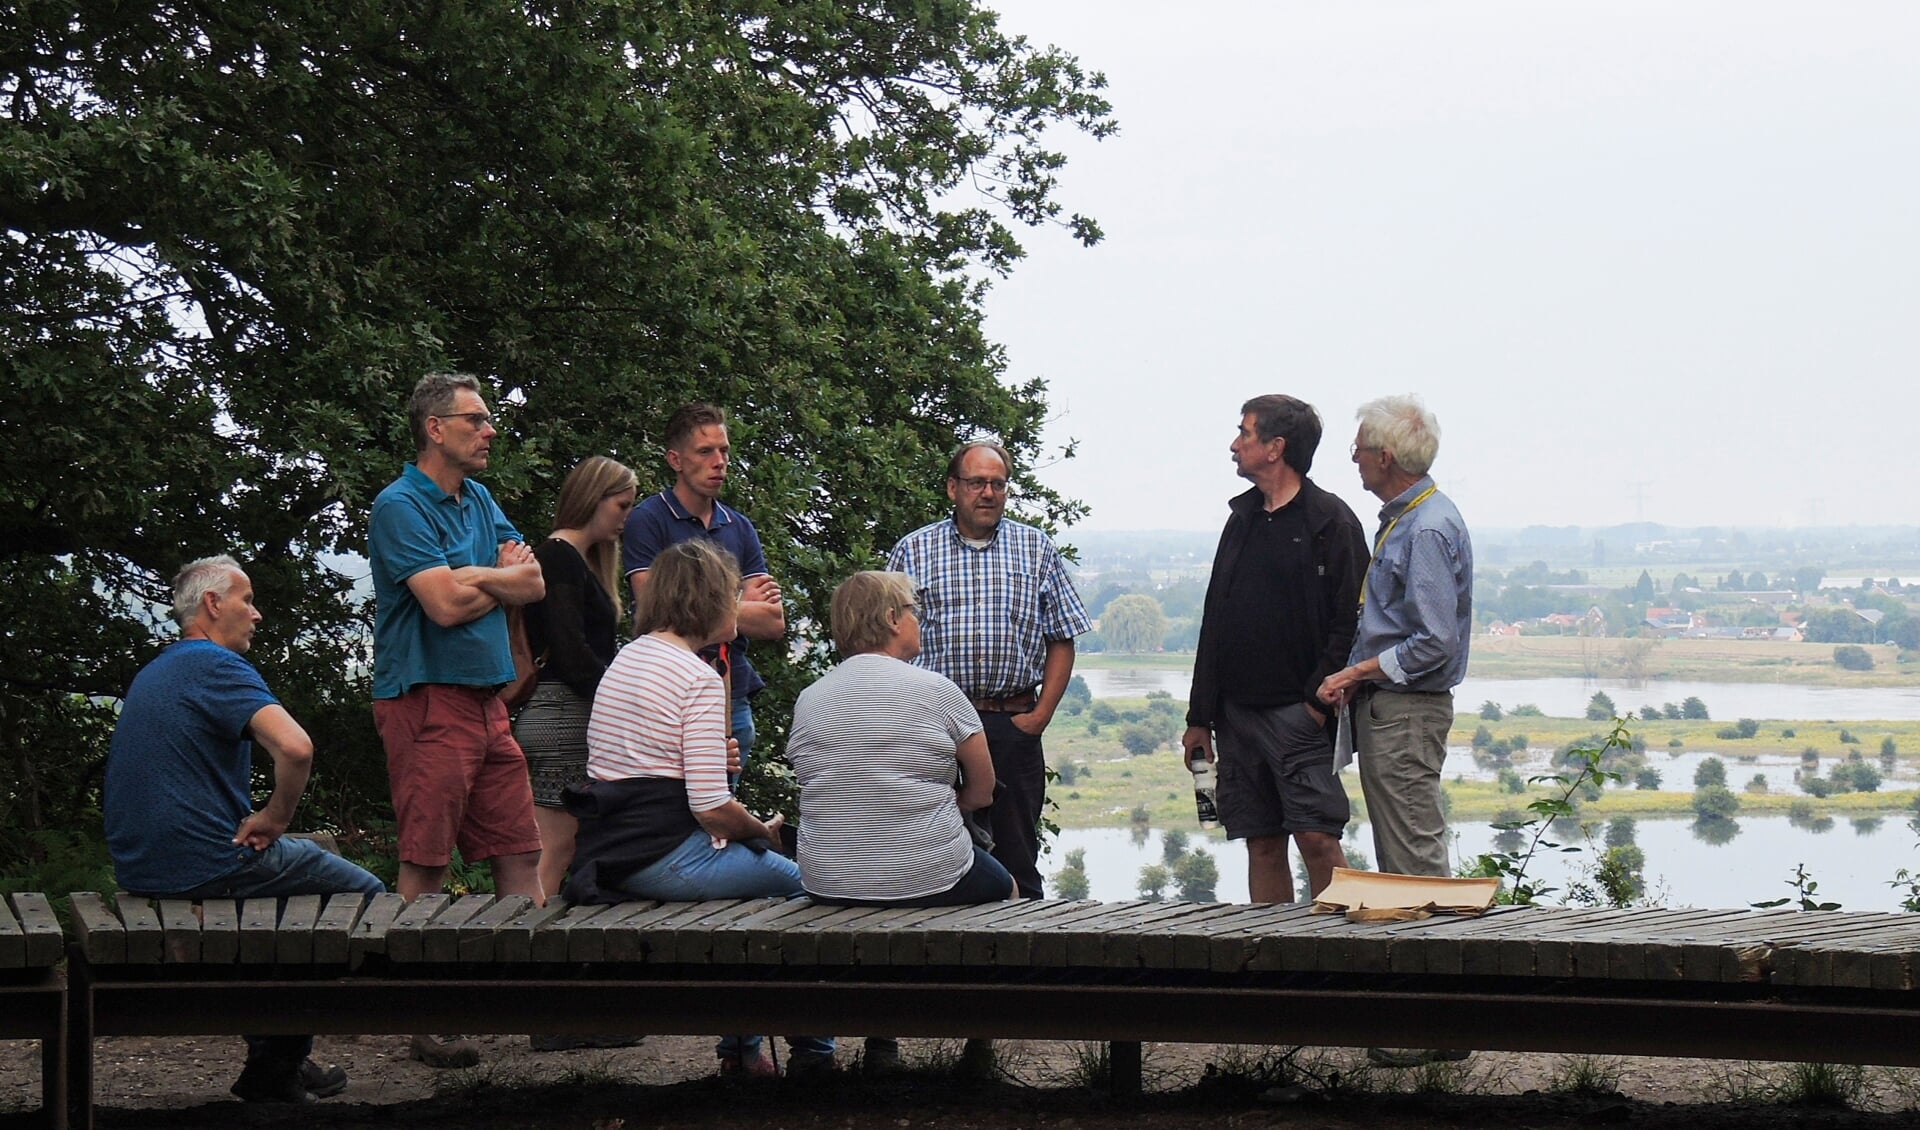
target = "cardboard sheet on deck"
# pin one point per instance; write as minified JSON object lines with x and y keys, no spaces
{"x":1373,"y":896}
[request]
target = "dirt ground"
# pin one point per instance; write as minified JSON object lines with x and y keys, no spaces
{"x":670,"y":1082}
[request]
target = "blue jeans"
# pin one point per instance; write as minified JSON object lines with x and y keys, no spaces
{"x":694,"y":872}
{"x":742,"y":722}
{"x":287,"y":867}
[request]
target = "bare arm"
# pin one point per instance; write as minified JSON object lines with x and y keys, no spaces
{"x":763,"y":616}
{"x":976,"y":773}
{"x":1339,"y":687}
{"x":1054,"y":674}
{"x":275,"y":731}
{"x":451,"y":597}
{"x":732,"y":821}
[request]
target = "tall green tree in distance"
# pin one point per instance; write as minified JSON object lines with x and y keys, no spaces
{"x":238,"y":232}
{"x":1133,"y":622}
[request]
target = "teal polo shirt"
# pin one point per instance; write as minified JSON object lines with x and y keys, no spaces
{"x":416,"y":526}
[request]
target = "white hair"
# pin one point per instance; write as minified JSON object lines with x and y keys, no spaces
{"x":198,"y":578}
{"x":1402,"y":425}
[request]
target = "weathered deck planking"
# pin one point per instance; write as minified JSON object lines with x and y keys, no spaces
{"x":293,"y":940}
{"x":333,"y":930}
{"x":1234,"y":949}
{"x":259,"y":918}
{"x":369,"y":936}
{"x":146,"y":945}
{"x":623,"y":929}
{"x":39,"y":930}
{"x":406,"y":938}
{"x":513,"y":941}
{"x":478,"y":935}
{"x":440,"y":937}
{"x":945,"y":937}
{"x":554,"y":937}
{"x":766,"y":941}
{"x":732,"y":940}
{"x":219,"y":932}
{"x":13,"y":940}
{"x":101,"y":937}
{"x":180,"y":930}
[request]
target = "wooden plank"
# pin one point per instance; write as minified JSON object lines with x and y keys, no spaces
{"x":1542,"y":949}
{"x":902,"y":941}
{"x":621,"y":938}
{"x":406,"y":938}
{"x":258,"y":920}
{"x":440,"y":937}
{"x":766,"y":942}
{"x":1663,"y":955}
{"x":835,"y":938}
{"x":478,"y":935}
{"x":219,"y":932}
{"x":729,"y":945}
{"x":980,"y":937}
{"x":102,"y":937}
{"x":40,"y":929}
{"x":1192,"y":936}
{"x":1231,"y":950}
{"x":513,"y":942}
{"x":13,"y":941}
{"x":1295,"y":944}
{"x":333,"y":930}
{"x":1839,"y":954}
{"x":1013,"y":942}
{"x":145,"y":943}
{"x":1732,"y":949}
{"x":1047,"y":949}
{"x":695,"y":939}
{"x":550,"y":942}
{"x":800,"y":942}
{"x":293,"y":938}
{"x":369,"y":937}
{"x":180,"y":931}
{"x":1119,"y":946}
{"x":1087,"y":935}
{"x":1438,"y":945}
{"x":943,"y":939}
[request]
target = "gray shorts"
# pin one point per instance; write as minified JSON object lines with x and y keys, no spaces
{"x":1276,"y":773}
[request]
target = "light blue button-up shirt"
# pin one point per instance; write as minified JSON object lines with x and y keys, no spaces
{"x":1418,"y":614}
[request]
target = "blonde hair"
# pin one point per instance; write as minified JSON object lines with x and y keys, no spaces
{"x":596,"y":479}
{"x":692,"y":587}
{"x":863,"y":609}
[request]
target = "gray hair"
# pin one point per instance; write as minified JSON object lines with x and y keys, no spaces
{"x":433,"y":396}
{"x":198,"y":578}
{"x":864,"y":607}
{"x":1403,"y":426}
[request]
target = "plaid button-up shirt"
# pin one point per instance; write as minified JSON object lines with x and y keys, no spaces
{"x":987,"y":614}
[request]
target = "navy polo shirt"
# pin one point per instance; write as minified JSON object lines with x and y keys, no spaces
{"x":660,"y":521}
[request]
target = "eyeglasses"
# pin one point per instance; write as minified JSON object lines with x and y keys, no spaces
{"x":982,"y":485}
{"x":910,"y":606}
{"x":1354,"y":450}
{"x":478,"y":419}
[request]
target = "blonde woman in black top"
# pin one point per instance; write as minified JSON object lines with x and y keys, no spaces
{"x":573,"y":632}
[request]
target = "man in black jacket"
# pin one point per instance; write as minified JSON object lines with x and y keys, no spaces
{"x":1280,"y":613}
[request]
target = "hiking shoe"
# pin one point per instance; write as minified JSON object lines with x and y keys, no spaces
{"x":1415,"y":1057}
{"x":261,"y":1083}
{"x":758,"y":1065}
{"x":811,"y":1065}
{"x":976,"y":1063}
{"x":322,"y":1082}
{"x":444,"y":1051}
{"x":881,"y":1056}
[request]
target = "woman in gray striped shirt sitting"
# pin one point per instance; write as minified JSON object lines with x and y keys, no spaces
{"x":889,"y":756}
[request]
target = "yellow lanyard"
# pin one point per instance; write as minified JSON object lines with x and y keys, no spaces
{"x":1381,"y":542}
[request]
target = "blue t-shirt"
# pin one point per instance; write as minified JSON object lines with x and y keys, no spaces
{"x":660,"y":521}
{"x":179,"y":769}
{"x":416,"y":526}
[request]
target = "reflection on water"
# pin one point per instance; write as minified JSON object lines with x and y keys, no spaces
{"x":1567,"y":698}
{"x":1731,"y":864}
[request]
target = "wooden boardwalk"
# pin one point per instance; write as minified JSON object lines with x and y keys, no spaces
{"x":1735,"y":984}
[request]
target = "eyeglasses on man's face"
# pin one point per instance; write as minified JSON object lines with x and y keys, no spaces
{"x":480,"y":420}
{"x":1354,"y":450}
{"x":981,"y":485}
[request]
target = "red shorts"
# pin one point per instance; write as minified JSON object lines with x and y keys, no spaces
{"x":458,"y":777}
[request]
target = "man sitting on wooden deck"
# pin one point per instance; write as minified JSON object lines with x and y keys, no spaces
{"x":180,"y":819}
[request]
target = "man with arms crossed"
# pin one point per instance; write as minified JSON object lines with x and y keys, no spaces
{"x":445,"y":562}
{"x":180,"y":820}
{"x":997,"y":616}
{"x":1279,"y":618}
{"x":698,"y":451}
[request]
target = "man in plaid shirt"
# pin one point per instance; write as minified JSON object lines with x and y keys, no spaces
{"x":998,"y":617}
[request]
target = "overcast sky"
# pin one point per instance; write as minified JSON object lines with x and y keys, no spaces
{"x":1643,"y":260}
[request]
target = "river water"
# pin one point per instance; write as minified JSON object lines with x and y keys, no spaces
{"x":1851,"y":860}
{"x":1568,"y":697}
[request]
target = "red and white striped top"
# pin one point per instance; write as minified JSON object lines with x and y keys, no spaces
{"x":661,"y":712}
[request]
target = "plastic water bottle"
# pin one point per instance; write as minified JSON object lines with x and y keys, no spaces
{"x":1203,"y":799}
